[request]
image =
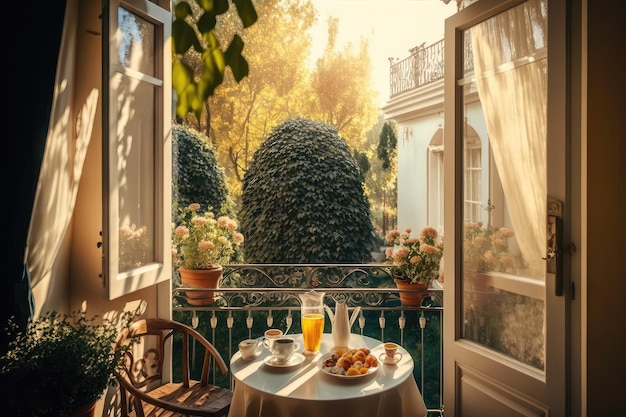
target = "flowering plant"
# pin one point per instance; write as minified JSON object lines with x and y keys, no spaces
{"x":134,"y":247}
{"x":202,"y":241}
{"x":486,"y":248}
{"x":415,"y":260}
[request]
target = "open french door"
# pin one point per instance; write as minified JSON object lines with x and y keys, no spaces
{"x":506,"y":210}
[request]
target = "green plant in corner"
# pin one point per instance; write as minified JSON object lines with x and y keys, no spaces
{"x":65,"y":362}
{"x":194,"y":28}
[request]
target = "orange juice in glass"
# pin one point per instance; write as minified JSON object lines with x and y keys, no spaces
{"x":312,"y":330}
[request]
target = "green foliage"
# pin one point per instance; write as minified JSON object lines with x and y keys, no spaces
{"x":196,"y":175}
{"x":363,"y":162}
{"x":60,"y":363}
{"x":303,"y":199}
{"x":242,"y":114}
{"x":194,"y":29}
{"x":387,"y":145}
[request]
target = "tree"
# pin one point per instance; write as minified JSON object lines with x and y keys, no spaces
{"x":341,"y":89}
{"x":281,"y":86}
{"x":303,"y":200}
{"x":381,"y":179}
{"x":194,"y":31}
{"x":197,"y":177}
{"x":388,"y":145}
{"x":277,"y":48}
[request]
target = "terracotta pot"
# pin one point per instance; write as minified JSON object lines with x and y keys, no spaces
{"x":476,"y":281}
{"x":85,"y":411}
{"x":411,"y":299}
{"x":200,"y":278}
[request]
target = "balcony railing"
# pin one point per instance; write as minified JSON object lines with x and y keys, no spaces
{"x":424,"y":66}
{"x":252,"y":298}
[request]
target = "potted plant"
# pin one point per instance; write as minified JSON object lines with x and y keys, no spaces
{"x":486,"y":248}
{"x":203,"y":243}
{"x":414,"y":261}
{"x":60,"y":365}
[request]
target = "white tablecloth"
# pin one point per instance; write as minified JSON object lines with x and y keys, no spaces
{"x":305,"y":391}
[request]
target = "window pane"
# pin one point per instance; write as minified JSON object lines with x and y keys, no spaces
{"x":136,"y":48}
{"x":136,"y":172}
{"x":505,"y":183}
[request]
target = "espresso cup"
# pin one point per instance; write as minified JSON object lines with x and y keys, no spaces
{"x":269,"y":336}
{"x":391,"y":354}
{"x":283,"y":348}
{"x":248,"y":348}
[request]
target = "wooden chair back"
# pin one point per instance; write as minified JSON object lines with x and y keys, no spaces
{"x":143,"y":388}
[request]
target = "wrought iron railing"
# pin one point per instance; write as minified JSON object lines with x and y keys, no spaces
{"x":252,"y":298}
{"x":425,"y":65}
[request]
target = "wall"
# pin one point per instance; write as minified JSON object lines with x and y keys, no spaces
{"x":419,"y":115}
{"x":606,"y":208}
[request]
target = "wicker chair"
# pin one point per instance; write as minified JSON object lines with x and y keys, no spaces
{"x":143,"y":390}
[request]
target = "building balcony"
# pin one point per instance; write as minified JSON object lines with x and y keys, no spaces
{"x":252,"y":298}
{"x":425,"y":65}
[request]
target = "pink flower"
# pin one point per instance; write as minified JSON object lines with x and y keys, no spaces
{"x":428,"y":232}
{"x":412,"y":258}
{"x":200,"y":241}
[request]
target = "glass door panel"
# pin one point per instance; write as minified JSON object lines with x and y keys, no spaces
{"x":504,"y":176}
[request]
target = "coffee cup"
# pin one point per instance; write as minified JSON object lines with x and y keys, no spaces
{"x":283,"y":348}
{"x":391,"y":354}
{"x":248,"y":348}
{"x":269,"y":336}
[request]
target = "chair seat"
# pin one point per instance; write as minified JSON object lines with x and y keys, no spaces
{"x":142,"y":367}
{"x":210,"y":401}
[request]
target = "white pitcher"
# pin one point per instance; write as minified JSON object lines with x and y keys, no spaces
{"x":341,"y":323}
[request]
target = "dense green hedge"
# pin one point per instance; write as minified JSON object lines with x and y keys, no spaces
{"x":197,"y":176}
{"x":303,"y":199}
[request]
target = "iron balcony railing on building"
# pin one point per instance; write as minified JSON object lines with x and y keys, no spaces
{"x":425,"y":65}
{"x":252,"y":298}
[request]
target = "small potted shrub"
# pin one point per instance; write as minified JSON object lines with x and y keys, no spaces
{"x":202,"y":243}
{"x":414,"y":261}
{"x":60,"y":365}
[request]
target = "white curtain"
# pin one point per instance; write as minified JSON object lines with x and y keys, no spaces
{"x":511,"y":75}
{"x":64,"y":154}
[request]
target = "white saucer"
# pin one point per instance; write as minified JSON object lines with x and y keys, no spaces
{"x":256,"y":355}
{"x":388,"y":361}
{"x":296,"y":359}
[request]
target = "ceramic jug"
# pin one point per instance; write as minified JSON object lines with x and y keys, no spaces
{"x":341,"y":323}
{"x":312,"y":316}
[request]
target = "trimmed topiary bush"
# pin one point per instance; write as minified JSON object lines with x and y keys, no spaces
{"x":197,"y":176}
{"x":303,"y":199}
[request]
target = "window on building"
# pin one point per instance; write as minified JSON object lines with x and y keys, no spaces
{"x":435,"y":180}
{"x":473,"y":192}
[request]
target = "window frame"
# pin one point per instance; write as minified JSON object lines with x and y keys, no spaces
{"x":118,"y":283}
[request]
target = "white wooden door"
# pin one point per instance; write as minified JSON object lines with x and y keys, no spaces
{"x":505,"y":210}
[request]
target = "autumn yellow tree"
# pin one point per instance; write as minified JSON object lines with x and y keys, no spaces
{"x":342,"y":92}
{"x":243,"y":114}
{"x":282,"y":84}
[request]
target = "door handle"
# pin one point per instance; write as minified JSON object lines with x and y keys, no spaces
{"x":554,"y":258}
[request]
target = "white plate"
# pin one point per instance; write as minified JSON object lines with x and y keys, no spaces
{"x":320,"y":364}
{"x":296,"y":359}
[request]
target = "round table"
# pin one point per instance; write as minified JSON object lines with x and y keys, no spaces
{"x":303,"y":390}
